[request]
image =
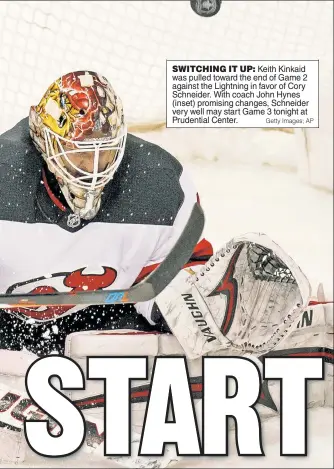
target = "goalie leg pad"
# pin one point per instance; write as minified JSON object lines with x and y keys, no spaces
{"x":120,"y":342}
{"x":13,"y":368}
{"x":13,"y":446}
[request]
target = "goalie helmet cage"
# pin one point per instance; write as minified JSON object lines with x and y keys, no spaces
{"x":129,"y":42}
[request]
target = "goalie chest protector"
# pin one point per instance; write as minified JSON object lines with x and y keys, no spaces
{"x":143,"y":210}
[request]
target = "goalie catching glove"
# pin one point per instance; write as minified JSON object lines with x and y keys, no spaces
{"x":245,"y":297}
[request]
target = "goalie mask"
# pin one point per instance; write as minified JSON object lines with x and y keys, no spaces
{"x":78,"y":127}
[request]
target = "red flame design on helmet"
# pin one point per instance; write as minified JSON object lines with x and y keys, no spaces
{"x":94,"y":104}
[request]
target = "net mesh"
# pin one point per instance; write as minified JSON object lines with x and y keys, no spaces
{"x":129,"y":42}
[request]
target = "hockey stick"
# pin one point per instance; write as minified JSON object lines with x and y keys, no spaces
{"x":145,"y":290}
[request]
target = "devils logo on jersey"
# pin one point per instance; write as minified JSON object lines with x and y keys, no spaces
{"x":73,"y":281}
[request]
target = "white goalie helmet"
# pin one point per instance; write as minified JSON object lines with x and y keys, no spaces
{"x":78,"y":126}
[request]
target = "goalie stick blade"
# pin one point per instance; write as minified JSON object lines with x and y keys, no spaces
{"x":146,"y":290}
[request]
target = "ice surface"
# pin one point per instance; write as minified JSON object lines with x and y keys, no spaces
{"x":320,"y":451}
{"x":238,"y":199}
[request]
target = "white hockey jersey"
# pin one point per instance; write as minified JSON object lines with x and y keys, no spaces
{"x":143,"y":212}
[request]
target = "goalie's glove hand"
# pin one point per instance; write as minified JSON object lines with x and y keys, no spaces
{"x":245,"y":297}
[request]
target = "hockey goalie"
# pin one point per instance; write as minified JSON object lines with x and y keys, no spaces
{"x":103,"y":208}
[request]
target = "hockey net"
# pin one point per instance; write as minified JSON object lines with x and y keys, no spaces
{"x":129,"y":42}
